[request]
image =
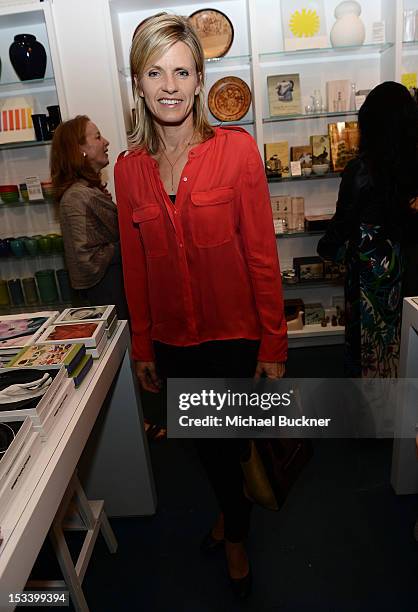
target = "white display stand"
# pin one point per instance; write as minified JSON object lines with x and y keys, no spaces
{"x":120,"y":472}
{"x":404,"y":477}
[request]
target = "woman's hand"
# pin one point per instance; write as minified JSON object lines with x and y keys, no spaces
{"x":270,"y":369}
{"x":147,"y":376}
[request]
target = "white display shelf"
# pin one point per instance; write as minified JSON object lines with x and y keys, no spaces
{"x":312,"y":177}
{"x":315,"y":335}
{"x":215,"y":64}
{"x":24,"y":144}
{"x":23,"y":203}
{"x":300,"y":234}
{"x":329,"y":53}
{"x":302,"y":116}
{"x":312,"y":285}
{"x":20,"y":88}
{"x":410,"y":48}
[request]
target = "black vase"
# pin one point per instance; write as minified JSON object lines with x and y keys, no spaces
{"x":28,"y":57}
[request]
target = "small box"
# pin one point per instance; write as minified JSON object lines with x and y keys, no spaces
{"x":309,"y":268}
{"x":314,"y":313}
{"x":317,"y":223}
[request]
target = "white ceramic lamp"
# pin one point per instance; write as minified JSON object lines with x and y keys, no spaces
{"x":348,"y":30}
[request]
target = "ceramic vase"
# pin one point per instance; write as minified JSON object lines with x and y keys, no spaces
{"x":28,"y":57}
{"x":348,"y":30}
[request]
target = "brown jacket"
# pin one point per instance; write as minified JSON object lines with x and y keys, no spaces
{"x":90,"y":231}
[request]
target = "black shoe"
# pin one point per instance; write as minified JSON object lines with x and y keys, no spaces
{"x":210,"y":544}
{"x":242,"y":586}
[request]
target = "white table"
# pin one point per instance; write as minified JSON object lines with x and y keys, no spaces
{"x":115,"y":465}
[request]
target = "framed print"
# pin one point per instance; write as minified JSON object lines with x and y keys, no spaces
{"x":303,"y":24}
{"x":309,"y":268}
{"x":284,"y":95}
{"x":276,"y":158}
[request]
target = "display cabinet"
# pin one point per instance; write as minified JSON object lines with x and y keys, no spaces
{"x":22,"y":159}
{"x":101,"y":88}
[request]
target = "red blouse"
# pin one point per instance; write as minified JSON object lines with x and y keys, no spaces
{"x":204,"y":268}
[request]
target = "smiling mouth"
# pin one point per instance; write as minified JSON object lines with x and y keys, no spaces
{"x":169,"y":101}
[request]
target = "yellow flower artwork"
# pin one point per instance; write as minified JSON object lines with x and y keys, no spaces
{"x":304,"y":23}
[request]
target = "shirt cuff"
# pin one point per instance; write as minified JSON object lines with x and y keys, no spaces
{"x":142,"y":349}
{"x":273,"y":348}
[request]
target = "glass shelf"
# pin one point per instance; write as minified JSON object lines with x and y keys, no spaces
{"x":212,"y":65}
{"x":23,"y":203}
{"x":312,"y":177}
{"x":320,"y":284}
{"x":300,"y":116}
{"x":300,"y":233}
{"x":33,"y":86}
{"x":239,"y":123}
{"x":410,"y":47}
{"x":330,"y":52}
{"x":24,"y":144}
{"x":31,"y":257}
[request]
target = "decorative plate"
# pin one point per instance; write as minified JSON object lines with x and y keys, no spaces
{"x":215,"y":32}
{"x":229,"y":99}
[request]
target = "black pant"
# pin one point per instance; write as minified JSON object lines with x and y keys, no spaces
{"x":219,"y":457}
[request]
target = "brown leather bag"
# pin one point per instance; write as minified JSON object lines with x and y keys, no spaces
{"x":270,"y":468}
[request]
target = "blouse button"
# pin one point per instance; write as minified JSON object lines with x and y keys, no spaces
{"x":185,"y":179}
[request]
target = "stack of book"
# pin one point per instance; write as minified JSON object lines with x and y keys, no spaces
{"x":93,"y":335}
{"x":39,"y":394}
{"x":19,"y":449}
{"x":91,"y":314}
{"x":49,"y":356}
{"x":20,"y":330}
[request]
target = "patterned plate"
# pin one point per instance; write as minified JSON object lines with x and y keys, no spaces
{"x":215,"y":32}
{"x":229,"y":99}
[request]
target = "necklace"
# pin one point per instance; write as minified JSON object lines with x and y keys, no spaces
{"x":175,"y":161}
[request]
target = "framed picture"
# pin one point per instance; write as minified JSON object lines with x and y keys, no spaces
{"x":284,"y":94}
{"x":309,"y":268}
{"x":303,"y":24}
{"x":276,"y":156}
{"x":320,"y":149}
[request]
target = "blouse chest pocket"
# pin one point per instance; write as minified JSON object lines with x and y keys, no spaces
{"x":211,"y":217}
{"x":152,"y":229}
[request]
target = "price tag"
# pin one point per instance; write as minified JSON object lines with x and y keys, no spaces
{"x":33,"y":185}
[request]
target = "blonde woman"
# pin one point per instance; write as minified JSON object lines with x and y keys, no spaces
{"x":197,"y":240}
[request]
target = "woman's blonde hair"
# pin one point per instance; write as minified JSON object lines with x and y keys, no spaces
{"x":152,"y":38}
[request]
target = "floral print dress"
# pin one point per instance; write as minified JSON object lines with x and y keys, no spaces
{"x":373,"y":298}
{"x":374,"y":269}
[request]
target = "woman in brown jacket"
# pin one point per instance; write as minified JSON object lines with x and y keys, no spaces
{"x":88,"y":215}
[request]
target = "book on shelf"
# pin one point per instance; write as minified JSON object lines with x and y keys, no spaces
{"x":46,"y":356}
{"x":284,"y":95}
{"x":276,"y":156}
{"x":344,"y":137}
{"x":89,"y":334}
{"x":303,"y":154}
{"x":320,"y":149}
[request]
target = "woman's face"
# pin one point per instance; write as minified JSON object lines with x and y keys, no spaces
{"x":95,"y":147}
{"x":169,"y":86}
